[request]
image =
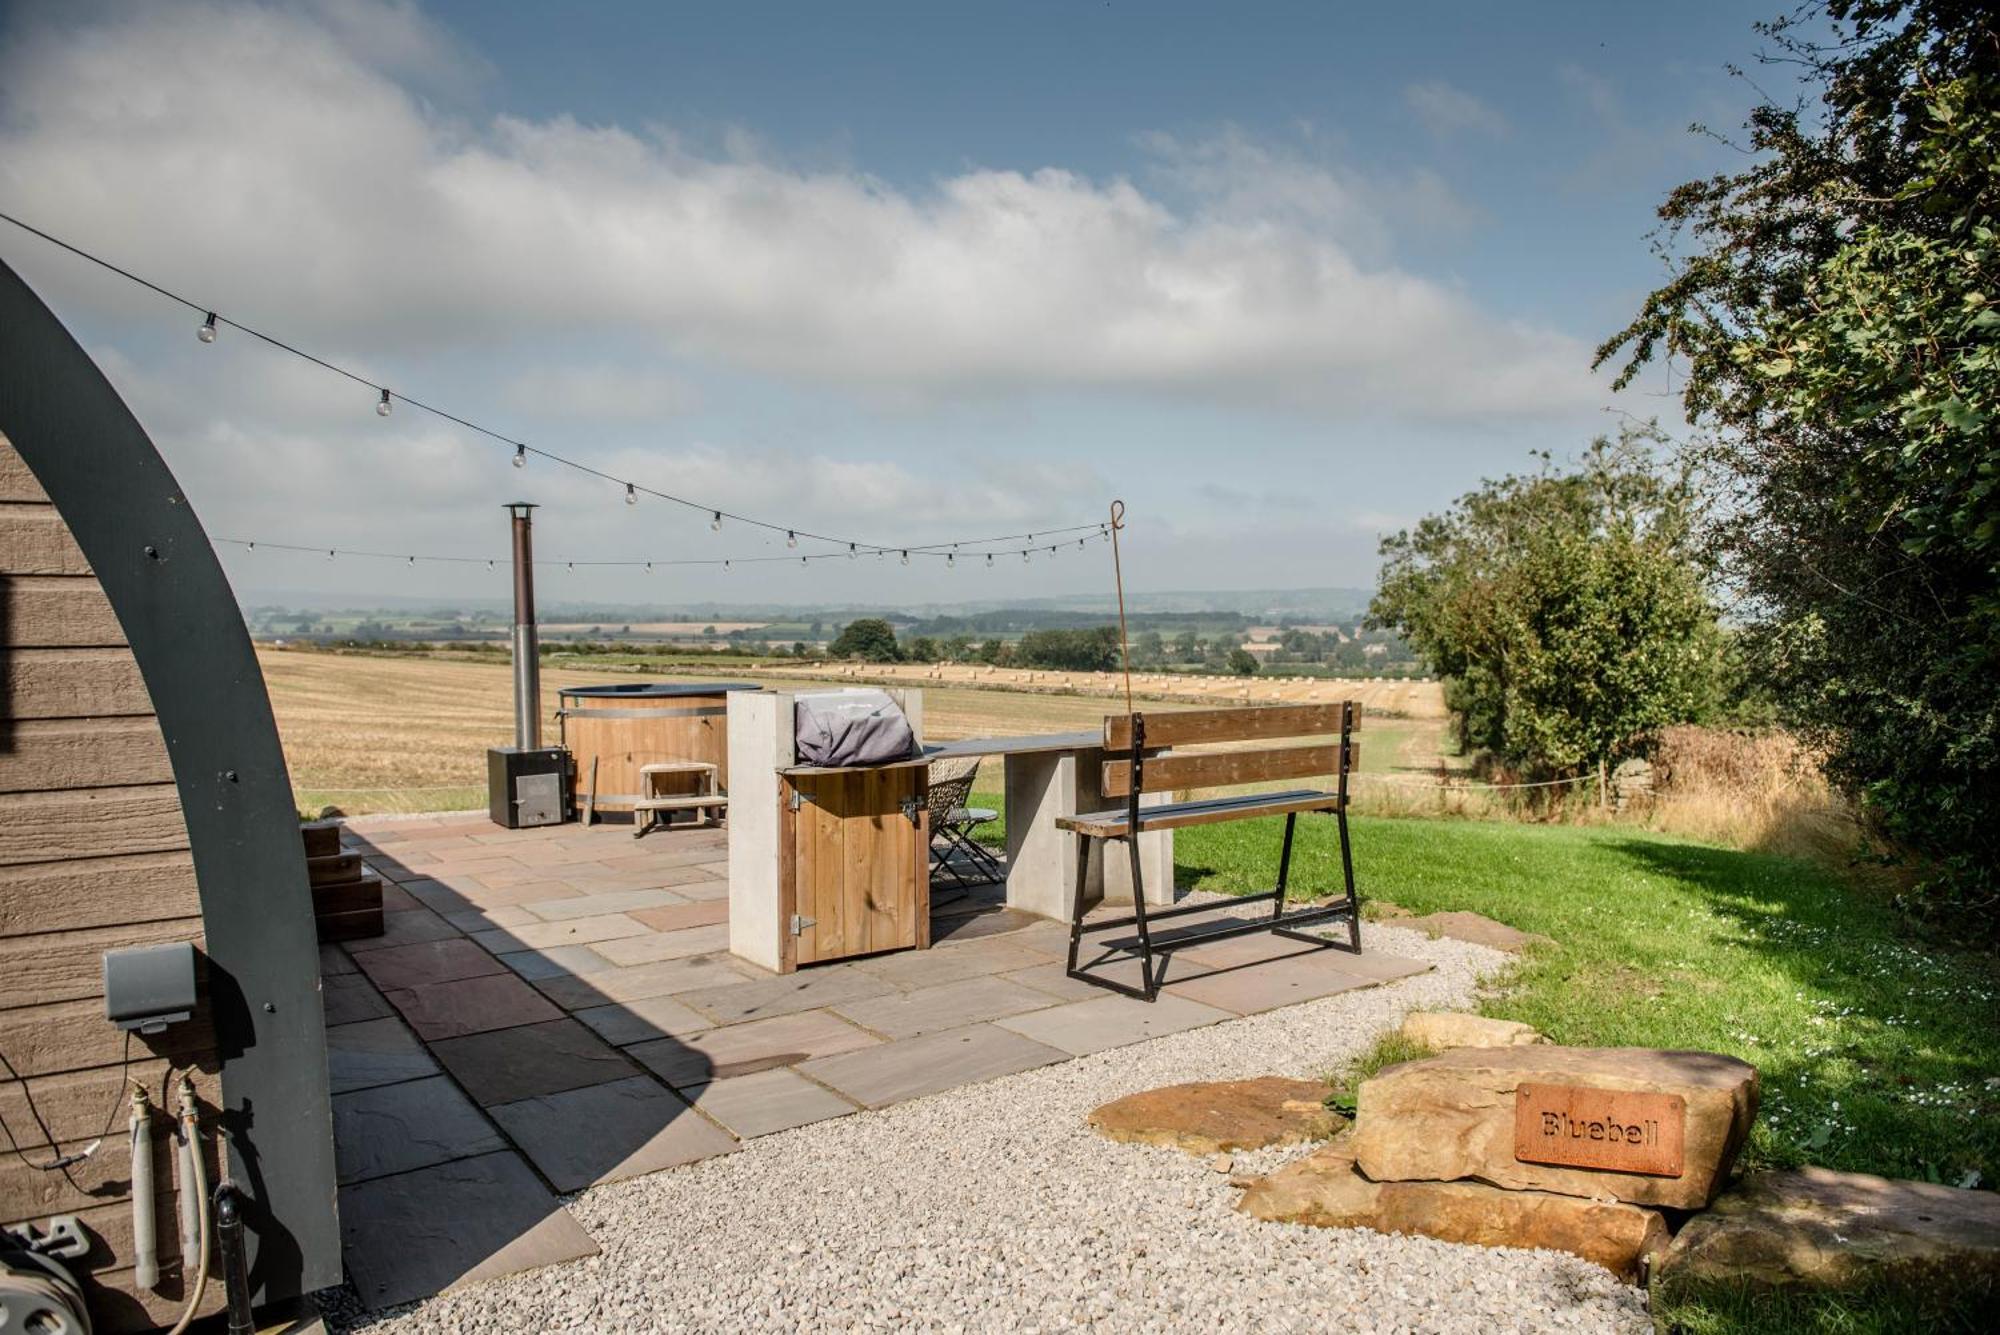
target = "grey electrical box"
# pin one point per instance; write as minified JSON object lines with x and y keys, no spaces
{"x":148,"y":988}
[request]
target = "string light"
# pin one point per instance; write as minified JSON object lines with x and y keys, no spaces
{"x":212,"y":321}
{"x":1025,"y":558}
{"x":631,"y":496}
{"x":715,"y":522}
{"x":989,"y":560}
{"x":804,"y":558}
{"x":949,"y":560}
{"x":906,"y":559}
{"x":852,"y":551}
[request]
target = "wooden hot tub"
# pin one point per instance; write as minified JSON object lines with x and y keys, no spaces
{"x":623,"y":726}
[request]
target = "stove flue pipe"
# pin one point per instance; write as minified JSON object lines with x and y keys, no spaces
{"x":527,"y":646}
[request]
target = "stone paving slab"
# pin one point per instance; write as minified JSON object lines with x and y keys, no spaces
{"x":637,"y":982}
{"x":395,"y":1128}
{"x":678,"y":917}
{"x":556,"y":962}
{"x":348,"y":997}
{"x":911,"y":1067}
{"x":1111,"y":1021}
{"x":440,"y":961}
{"x":569,"y":932}
{"x":374,"y":1052}
{"x":1250,"y":989}
{"x":626,"y":1022}
{"x":403,"y":929}
{"x":471,"y":1005}
{"x":742,"y":1049}
{"x":505,"y":1065}
{"x":768,"y":1102}
{"x":611,"y":1131}
{"x":657,"y":946}
{"x":948,"y":963}
{"x":610,"y":901}
{"x":1054,"y":979}
{"x":485,"y":920}
{"x":786,"y":994}
{"x":945,"y":1006}
{"x":415,"y":1234}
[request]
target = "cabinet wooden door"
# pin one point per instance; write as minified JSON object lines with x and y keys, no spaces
{"x":859,"y":843}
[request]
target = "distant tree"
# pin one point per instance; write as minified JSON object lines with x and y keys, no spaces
{"x":1564,"y":610}
{"x":1187,"y":647}
{"x":994,"y":651}
{"x":707,"y":632}
{"x":1093,"y":650}
{"x":870,"y":639}
{"x":958,"y":648}
{"x":1242,"y":662}
{"x":1148,"y":649}
{"x":817,"y":630}
{"x":798,"y":649}
{"x":924,"y":649}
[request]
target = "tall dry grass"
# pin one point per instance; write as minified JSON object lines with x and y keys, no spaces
{"x":1751,"y":789}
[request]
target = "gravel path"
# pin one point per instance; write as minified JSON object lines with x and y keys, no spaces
{"x":994,"y":1208}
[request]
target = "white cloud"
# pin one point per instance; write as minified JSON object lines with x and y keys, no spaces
{"x":1447,"y":110}
{"x":281,"y":163}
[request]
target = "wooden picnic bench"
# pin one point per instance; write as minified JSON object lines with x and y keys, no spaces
{"x":1138,"y":762}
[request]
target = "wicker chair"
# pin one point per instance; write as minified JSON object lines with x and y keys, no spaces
{"x":952,"y":824}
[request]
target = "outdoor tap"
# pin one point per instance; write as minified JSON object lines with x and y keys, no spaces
{"x":145,"y":1246}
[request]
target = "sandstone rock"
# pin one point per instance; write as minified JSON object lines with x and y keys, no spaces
{"x":1476,"y":929}
{"x":1455,"y":1029}
{"x":1326,"y":1190}
{"x":1452,"y":1116}
{"x":1222,"y":1163}
{"x":1815,"y":1228}
{"x":1209,"y":1118}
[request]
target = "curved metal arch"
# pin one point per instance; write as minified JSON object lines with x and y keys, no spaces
{"x":156,"y":566}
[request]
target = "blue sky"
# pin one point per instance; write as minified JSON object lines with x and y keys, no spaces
{"x":1281,"y":276}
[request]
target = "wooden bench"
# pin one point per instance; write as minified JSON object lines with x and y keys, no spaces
{"x":1140,"y":764}
{"x":654,"y":803}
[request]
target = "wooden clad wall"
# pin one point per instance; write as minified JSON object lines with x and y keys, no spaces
{"x":93,"y":855}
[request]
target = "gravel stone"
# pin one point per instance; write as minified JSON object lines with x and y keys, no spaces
{"x":994,"y":1207}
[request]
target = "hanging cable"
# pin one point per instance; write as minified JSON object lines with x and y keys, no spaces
{"x":522,"y":449}
{"x":408,"y":558}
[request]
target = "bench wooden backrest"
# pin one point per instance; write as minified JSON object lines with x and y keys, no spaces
{"x":1332,"y":756}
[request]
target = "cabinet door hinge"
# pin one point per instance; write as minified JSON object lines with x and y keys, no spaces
{"x":800,"y":922}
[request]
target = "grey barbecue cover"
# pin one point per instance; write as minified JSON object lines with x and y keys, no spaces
{"x":859,"y":726}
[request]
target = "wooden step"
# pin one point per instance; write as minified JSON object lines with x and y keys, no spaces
{"x":679,"y":803}
{"x":347,"y":896}
{"x":322,"y":838}
{"x":333,"y":868}
{"x":355,"y":925}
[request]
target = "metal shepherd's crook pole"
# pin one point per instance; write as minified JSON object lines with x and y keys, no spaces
{"x":527,"y":649}
{"x":1118,"y":574}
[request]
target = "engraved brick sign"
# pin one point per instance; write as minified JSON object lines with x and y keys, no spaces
{"x":1623,"y":1131}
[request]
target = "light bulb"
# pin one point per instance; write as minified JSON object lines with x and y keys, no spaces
{"x":989,"y":558}
{"x":489,"y":565}
{"x":852,"y":551}
{"x":570,"y":564}
{"x":329,"y":553}
{"x":631,"y":496}
{"x":382,"y":406}
{"x":1079,"y":544}
{"x":1031,"y":537}
{"x":906,"y":558}
{"x":413,"y":560}
{"x":715,"y":521}
{"x":520,"y":456}
{"x":802,"y":560}
{"x":253,"y":546}
{"x":950,"y":560}
{"x":1025,"y":558}
{"x":791,"y":538}
{"x":649,"y":567}
{"x":725,"y":565}
{"x":207,"y":331}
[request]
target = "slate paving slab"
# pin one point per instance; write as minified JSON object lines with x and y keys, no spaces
{"x":531,"y":1060}
{"x":418,"y":1233}
{"x":788,"y":994}
{"x":1111,"y":1021}
{"x":395,"y":1128}
{"x":608,"y":1132}
{"x":640,"y":1021}
{"x":333,"y":960}
{"x":438,"y":961}
{"x":471,"y":1005}
{"x":402,"y":929}
{"x":946,"y":1006}
{"x":768,"y":1102}
{"x":910,"y":1067}
{"x":374,"y":1052}
{"x":741,"y":1049}
{"x":347,"y":997}
{"x":485,"y":920}
{"x":637,"y":982}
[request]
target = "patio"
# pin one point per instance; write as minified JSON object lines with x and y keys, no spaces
{"x":554,"y":1008}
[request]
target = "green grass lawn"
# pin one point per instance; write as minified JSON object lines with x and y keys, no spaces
{"x":1878,"y":1048}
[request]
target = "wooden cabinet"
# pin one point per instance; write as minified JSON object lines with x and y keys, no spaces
{"x":854,"y":845}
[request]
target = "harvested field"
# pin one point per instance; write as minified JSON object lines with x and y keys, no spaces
{"x":372,"y":732}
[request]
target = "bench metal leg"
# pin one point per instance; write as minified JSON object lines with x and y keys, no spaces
{"x":1083,"y":843}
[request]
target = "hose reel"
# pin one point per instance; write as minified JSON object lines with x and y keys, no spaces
{"x":38,"y":1296}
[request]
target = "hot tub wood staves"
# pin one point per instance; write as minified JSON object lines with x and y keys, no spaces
{"x":615,"y":730}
